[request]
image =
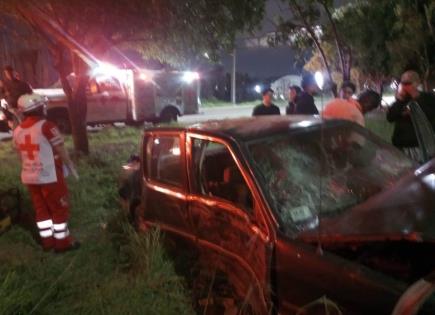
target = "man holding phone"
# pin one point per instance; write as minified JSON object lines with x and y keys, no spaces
{"x":399,"y":113}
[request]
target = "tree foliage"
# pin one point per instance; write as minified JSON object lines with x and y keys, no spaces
{"x":366,"y":28}
{"x":388,"y":37}
{"x":306,"y":29}
{"x":365,"y":40}
{"x":413,"y":38}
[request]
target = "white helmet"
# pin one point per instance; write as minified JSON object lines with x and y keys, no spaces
{"x":29,"y":102}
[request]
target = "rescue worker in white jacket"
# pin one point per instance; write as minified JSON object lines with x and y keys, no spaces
{"x":44,"y":161}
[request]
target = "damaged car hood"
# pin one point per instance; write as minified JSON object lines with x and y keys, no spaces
{"x":404,"y":211}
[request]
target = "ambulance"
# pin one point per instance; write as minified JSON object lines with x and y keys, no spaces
{"x":131,"y":96}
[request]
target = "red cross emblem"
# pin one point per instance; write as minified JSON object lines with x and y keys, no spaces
{"x":29,"y":147}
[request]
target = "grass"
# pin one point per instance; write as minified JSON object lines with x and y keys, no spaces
{"x":116,"y":271}
{"x":378,"y":124}
{"x":213,"y":102}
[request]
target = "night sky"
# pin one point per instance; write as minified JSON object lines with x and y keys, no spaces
{"x":268,"y":62}
{"x":265,"y":62}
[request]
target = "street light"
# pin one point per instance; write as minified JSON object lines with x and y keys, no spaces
{"x":257,"y":88}
{"x":318,"y":76}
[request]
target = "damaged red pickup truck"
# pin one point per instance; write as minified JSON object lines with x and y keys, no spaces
{"x":295,"y":210}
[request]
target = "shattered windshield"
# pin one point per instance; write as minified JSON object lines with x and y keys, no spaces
{"x":309,"y":172}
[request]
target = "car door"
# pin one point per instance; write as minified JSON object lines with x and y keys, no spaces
{"x":226,"y":215}
{"x":165,"y":182}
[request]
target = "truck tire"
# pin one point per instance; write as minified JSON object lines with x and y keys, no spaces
{"x":132,"y":123}
{"x":61,"y":119}
{"x":169,"y":115}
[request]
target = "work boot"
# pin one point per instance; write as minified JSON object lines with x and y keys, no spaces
{"x":73,"y":246}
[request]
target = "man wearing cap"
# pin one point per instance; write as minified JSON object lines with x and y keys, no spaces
{"x":266,"y":107}
{"x":305,"y":101}
{"x":43,"y":155}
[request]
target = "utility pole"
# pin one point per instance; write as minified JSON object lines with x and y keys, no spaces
{"x":233,"y":79}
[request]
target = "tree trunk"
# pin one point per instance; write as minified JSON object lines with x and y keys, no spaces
{"x":78,"y":107}
{"x":343,"y":52}
{"x":426,"y":80}
{"x":75,"y":95}
{"x":381,"y":88}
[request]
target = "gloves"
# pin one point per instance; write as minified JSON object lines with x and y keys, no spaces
{"x":74,"y":172}
{"x":70,"y":169}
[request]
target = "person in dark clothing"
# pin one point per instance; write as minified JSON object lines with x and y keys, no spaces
{"x":13,"y":87}
{"x":404,"y":136}
{"x":305,"y":101}
{"x":266,"y":107}
{"x":347,"y":90}
{"x":293,"y":93}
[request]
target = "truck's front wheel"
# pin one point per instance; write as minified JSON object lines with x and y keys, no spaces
{"x":169,"y":115}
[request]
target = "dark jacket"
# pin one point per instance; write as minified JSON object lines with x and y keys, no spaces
{"x":266,"y":110}
{"x":291,"y":108}
{"x":305,"y":105}
{"x":13,"y":89}
{"x":404,"y":134}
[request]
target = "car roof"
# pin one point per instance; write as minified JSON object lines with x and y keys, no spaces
{"x":245,"y":129}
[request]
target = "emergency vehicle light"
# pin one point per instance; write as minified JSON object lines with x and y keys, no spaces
{"x":105,"y":69}
{"x":190,"y":76}
{"x":318,"y":76}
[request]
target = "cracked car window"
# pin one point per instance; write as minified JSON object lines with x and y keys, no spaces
{"x":310,"y":172}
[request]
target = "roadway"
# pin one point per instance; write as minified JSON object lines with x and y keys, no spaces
{"x":5,"y":136}
{"x":206,"y":113}
{"x":220,"y":112}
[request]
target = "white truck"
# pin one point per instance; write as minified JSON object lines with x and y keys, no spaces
{"x":129,"y":96}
